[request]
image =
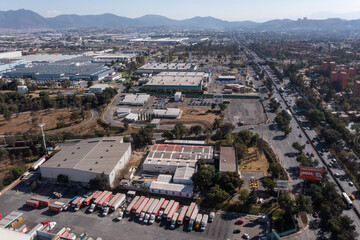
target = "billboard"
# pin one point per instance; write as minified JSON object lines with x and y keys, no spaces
{"x":311,"y":173}
{"x":280,"y":183}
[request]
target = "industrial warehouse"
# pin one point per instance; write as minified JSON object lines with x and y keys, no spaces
{"x":178,"y":80}
{"x":88,"y":158}
{"x":154,"y":68}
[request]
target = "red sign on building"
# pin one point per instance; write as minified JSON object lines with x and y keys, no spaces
{"x":311,"y":173}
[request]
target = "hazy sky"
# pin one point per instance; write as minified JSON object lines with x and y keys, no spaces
{"x":257,"y":10}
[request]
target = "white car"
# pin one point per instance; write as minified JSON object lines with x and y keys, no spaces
{"x":351,"y":184}
{"x":246,"y":236}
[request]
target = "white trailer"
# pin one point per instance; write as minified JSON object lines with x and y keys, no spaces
{"x":204,"y":222}
{"x":132,"y":204}
{"x":141,"y":207}
{"x":172,"y":211}
{"x":141,"y":199}
{"x":163,"y":207}
{"x":106,"y":198}
{"x":114,"y":198}
{"x":101,"y":196}
{"x":173,"y":220}
{"x":146,"y":208}
{"x":79,"y":203}
{"x":90,"y":198}
{"x":156,"y":210}
{"x":182,"y":215}
{"x":168,"y":208}
{"x":118,"y":202}
{"x":190,"y":211}
{"x":150,"y":210}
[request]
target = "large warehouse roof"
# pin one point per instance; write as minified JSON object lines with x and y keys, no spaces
{"x":96,"y":155}
{"x":178,"y":79}
{"x":167,"y":66}
{"x":9,"y":234}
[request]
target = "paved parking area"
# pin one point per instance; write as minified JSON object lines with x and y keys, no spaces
{"x":106,"y":227}
{"x":248,"y":110}
{"x":248,"y":175}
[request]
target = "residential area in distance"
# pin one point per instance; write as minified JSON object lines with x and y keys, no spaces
{"x":155,"y":128}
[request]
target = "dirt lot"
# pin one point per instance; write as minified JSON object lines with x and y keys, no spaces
{"x":21,"y":123}
{"x":194,"y":115}
{"x":255,"y":162}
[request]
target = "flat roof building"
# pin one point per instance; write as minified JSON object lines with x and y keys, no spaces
{"x":228,"y":160}
{"x":178,"y":80}
{"x":171,"y":189}
{"x":135,"y":99}
{"x":183,"y":175}
{"x":98,"y":87}
{"x":166,"y":158}
{"x":88,"y":158}
{"x":166,"y":67}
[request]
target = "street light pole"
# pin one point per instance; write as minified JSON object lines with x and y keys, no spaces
{"x":41,"y":125}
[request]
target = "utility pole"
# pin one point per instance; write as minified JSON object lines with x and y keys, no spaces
{"x":41,"y":125}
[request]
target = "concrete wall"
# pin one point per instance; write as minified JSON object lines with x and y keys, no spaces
{"x":159,"y":168}
{"x":121,"y":164}
{"x":171,"y":193}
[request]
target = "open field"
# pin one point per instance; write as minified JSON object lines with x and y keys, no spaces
{"x":255,"y":162}
{"x":194,"y":115}
{"x":22,"y":123}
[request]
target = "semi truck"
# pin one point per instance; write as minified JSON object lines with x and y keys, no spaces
{"x":162,"y":209}
{"x":182,"y":214}
{"x":79,"y":204}
{"x":172,"y":211}
{"x":132,"y":204}
{"x":150,"y":210}
{"x":57,"y":206}
{"x":23,"y":229}
{"x":193,"y":217}
{"x":97,"y":200}
{"x":120,"y":200}
{"x":211,"y":216}
{"x":88,"y":200}
{"x":73,"y":203}
{"x":42,"y":200}
{"x":141,"y":207}
{"x":204,"y":222}
{"x":190,"y":211}
{"x":104,"y":200}
{"x":32,"y":203}
{"x":145,"y":209}
{"x":168,"y":208}
{"x":198,"y":221}
{"x":173,"y":220}
{"x":156,"y":210}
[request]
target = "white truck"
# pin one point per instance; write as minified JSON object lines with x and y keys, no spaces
{"x":145,"y":209}
{"x":118,"y":202}
{"x":156,"y":210}
{"x":211,"y":216}
{"x":120,"y":215}
{"x":204,"y":222}
{"x":150,"y":210}
{"x":173,"y":220}
{"x":92,"y":207}
{"x":163,"y":207}
{"x":182,"y":215}
{"x":198,"y":221}
{"x":190,"y":211}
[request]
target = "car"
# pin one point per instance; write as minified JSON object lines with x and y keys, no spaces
{"x":315,"y":214}
{"x":308,"y":142}
{"x":313,"y":141}
{"x":298,"y":126}
{"x":326,"y":150}
{"x":336,"y":175}
{"x":236,"y":231}
{"x":300,"y":135}
{"x":251,"y":128}
{"x":246,"y":236}
{"x":351,"y":183}
{"x":239,"y":222}
{"x":307,"y":154}
{"x":312,"y":154}
{"x":352,"y":197}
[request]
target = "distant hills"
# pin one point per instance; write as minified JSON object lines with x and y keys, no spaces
{"x":26,"y":19}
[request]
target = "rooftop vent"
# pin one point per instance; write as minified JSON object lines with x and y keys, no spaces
{"x":107,"y":150}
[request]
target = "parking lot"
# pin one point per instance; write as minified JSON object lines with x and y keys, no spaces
{"x":106,"y":227}
{"x":250,"y":111}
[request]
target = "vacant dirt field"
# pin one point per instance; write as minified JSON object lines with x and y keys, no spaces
{"x":256,"y":161}
{"x":194,"y":115}
{"x":21,"y":123}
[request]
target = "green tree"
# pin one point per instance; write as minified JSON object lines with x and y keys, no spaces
{"x":179,"y":130}
{"x":143,"y":138}
{"x":244,"y":194}
{"x":89,"y":84}
{"x":61,"y":178}
{"x":126,"y":126}
{"x":196,"y":130}
{"x":297,"y":146}
{"x":252,"y":199}
{"x":216,"y":196}
{"x":315,"y":116}
{"x":213,"y":106}
{"x":7,"y":115}
{"x":17,"y":171}
{"x":74,"y":116}
{"x":330,"y":135}
{"x":286,"y":203}
{"x":222,"y":106}
{"x":241,"y":151}
{"x":303,"y":203}
{"x":217,"y":123}
{"x":230,"y":181}
{"x":99,"y":182}
{"x":168,"y":135}
{"x":203,"y":179}
{"x":268,"y":184}
{"x":66,"y":83}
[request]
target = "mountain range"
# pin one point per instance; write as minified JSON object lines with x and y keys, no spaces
{"x":26,"y":19}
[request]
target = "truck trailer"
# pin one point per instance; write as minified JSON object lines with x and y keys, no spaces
{"x":172,"y":211}
{"x":168,"y":208}
{"x":79,"y":204}
{"x":141,"y":206}
{"x":42,"y":200}
{"x":198,"y":221}
{"x":120,"y":200}
{"x":190,"y":211}
{"x":156,"y":210}
{"x":204,"y":222}
{"x":105,"y":199}
{"x":32,"y":203}
{"x":193,"y":217}
{"x":182,"y":214}
{"x":174,"y":220}
{"x":150,"y":210}
{"x":57,"y":206}
{"x":162,"y":209}
{"x":88,"y":200}
{"x":145,"y":209}
{"x":132,"y":204}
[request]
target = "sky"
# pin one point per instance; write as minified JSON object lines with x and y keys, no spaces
{"x":231,"y":10}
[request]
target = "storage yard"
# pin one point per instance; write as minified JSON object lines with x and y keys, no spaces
{"x":77,"y":219}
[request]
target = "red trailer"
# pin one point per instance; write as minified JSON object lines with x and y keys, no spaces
{"x":56,"y":207}
{"x":87,"y":200}
{"x":32,"y":203}
{"x":42,"y":200}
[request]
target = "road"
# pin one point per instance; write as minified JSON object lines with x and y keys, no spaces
{"x":109,"y":115}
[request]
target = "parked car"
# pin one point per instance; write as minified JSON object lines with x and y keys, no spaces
{"x":239,"y":222}
{"x":315,"y":214}
{"x":237,"y":231}
{"x":351,"y":183}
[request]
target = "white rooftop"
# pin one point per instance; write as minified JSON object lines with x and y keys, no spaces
{"x":171,"y":187}
{"x":182,"y":79}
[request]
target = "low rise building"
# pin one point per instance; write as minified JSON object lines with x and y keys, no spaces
{"x":228,"y":159}
{"x":22,"y":89}
{"x":135,"y":99}
{"x":155,"y":123}
{"x":226,"y":78}
{"x":86,"y":159}
{"x":166,"y":67}
{"x":177,"y":97}
{"x":171,"y":189}
{"x":183,"y":175}
{"x":167,"y":113}
{"x":98,"y":88}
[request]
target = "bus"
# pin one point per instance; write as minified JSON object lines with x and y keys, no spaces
{"x":347,"y":200}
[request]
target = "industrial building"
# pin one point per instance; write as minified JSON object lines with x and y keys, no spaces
{"x":14,"y":54}
{"x":228,"y":160}
{"x":226,"y":78}
{"x":171,"y":189}
{"x":178,"y":80}
{"x":88,"y":158}
{"x":59,"y":71}
{"x":167,"y":113}
{"x":183,"y":175}
{"x":112,"y":77}
{"x":166,"y":158}
{"x":7,"y":64}
{"x":22,"y":89}
{"x":177,"y":97}
{"x":154,"y":68}
{"x":113,"y":58}
{"x":135,"y":99}
{"x":98,"y":88}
